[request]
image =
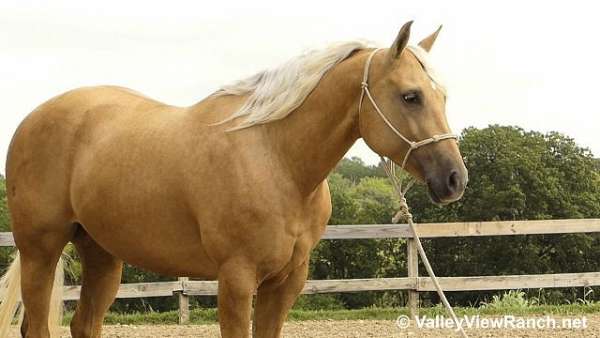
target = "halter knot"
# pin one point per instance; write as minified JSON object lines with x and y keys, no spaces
{"x":364,"y":84}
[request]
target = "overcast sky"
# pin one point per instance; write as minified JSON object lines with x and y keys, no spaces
{"x":529,"y":63}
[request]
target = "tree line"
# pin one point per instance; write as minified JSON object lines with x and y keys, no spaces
{"x":514,"y":174}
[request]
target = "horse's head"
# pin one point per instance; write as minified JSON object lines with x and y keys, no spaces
{"x":411,"y":104}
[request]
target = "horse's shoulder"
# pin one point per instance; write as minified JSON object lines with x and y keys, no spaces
{"x":320,"y":208}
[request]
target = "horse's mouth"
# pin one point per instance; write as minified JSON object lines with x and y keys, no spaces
{"x":435,"y":198}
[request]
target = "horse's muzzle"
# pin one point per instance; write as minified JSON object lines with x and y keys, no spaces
{"x":449,"y":186}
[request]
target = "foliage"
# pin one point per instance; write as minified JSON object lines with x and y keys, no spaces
{"x":514,"y":175}
{"x":5,"y":253}
{"x":318,"y":302}
{"x":209,"y":316}
{"x":355,"y":169}
{"x":517,"y":175}
{"x":511,"y":299}
{"x":4,"y":217}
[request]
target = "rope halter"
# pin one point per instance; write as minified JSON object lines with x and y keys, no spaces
{"x":390,"y":170}
{"x":412,"y":144}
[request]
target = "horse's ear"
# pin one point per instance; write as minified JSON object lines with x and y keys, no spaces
{"x":401,"y":40}
{"x":427,"y":43}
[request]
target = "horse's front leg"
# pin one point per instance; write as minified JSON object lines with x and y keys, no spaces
{"x":273,"y":301}
{"x":237,"y":283}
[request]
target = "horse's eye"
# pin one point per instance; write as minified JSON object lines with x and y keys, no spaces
{"x":411,"y":97}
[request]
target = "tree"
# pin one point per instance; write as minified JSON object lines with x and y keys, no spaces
{"x":4,"y":217}
{"x":5,"y":253}
{"x":354,"y":169}
{"x":514,"y":175}
{"x":517,"y":175}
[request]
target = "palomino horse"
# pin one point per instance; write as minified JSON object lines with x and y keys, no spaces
{"x":232,"y":188}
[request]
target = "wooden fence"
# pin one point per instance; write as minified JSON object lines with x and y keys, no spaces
{"x":413,"y":283}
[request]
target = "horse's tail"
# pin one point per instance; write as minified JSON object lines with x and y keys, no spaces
{"x":10,"y":298}
{"x":10,"y":294}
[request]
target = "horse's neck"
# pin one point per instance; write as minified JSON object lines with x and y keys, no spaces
{"x":315,"y":137}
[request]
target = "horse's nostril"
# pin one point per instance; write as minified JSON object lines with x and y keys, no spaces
{"x":453,"y":181}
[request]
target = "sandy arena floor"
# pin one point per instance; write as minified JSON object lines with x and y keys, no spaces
{"x":333,"y":329}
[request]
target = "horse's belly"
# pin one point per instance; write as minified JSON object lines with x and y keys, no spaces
{"x":168,"y":249}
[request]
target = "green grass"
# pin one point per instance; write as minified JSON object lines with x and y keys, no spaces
{"x":209,"y":316}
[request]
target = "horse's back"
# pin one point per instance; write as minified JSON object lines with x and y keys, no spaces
{"x":43,"y":151}
{"x":135,"y":172}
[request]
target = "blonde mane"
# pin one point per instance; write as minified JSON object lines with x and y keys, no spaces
{"x":275,"y":93}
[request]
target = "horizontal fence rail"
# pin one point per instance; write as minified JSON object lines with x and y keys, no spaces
{"x":475,"y":283}
{"x":439,"y":230}
{"x":464,"y":229}
{"x":413,"y":283}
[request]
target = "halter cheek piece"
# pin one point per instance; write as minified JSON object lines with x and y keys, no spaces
{"x":413,"y":145}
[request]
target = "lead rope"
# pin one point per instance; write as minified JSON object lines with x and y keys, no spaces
{"x":405,"y":214}
{"x":390,"y":170}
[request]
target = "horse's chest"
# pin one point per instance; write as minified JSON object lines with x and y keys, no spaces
{"x":290,"y":247}
{"x":285,"y":253}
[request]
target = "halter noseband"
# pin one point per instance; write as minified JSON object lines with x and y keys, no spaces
{"x":413,"y":145}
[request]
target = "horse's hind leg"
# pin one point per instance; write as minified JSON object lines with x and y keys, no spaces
{"x":39,"y":252}
{"x":100,"y":281}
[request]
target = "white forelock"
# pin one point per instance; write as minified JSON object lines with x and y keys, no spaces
{"x":423,"y":56}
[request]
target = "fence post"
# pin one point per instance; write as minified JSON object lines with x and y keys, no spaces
{"x":412,"y":258}
{"x":184,"y":303}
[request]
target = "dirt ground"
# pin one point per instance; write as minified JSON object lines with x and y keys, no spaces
{"x":334,"y":329}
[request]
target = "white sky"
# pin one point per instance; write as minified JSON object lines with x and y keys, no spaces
{"x":529,"y":63}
